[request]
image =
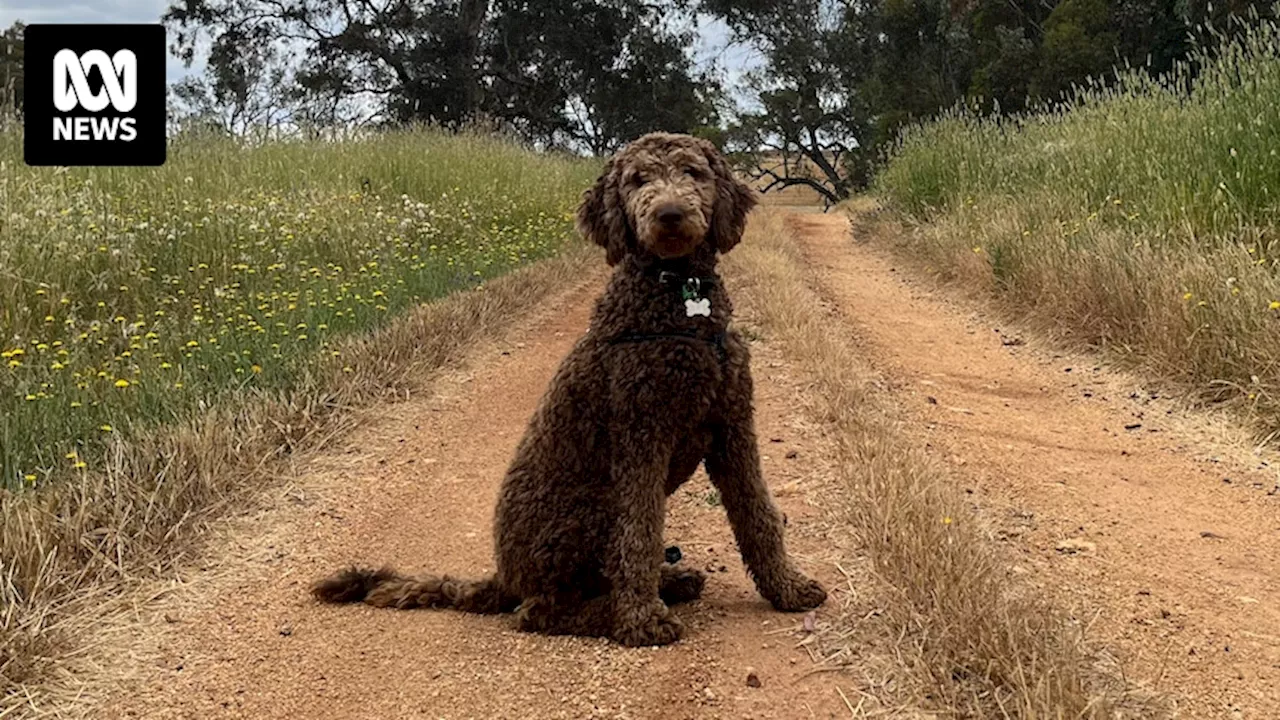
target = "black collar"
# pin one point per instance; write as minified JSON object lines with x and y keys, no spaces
{"x":690,"y":286}
{"x":676,"y":273}
{"x":668,"y":277}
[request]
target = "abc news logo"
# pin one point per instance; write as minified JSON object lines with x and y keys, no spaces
{"x":94,"y":95}
{"x":71,"y":90}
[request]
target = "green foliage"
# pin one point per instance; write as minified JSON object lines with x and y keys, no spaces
{"x":1196,"y":153}
{"x":133,"y":296}
{"x":585,"y":73}
{"x":1080,"y":41}
{"x":808,"y":128}
{"x":844,"y":78}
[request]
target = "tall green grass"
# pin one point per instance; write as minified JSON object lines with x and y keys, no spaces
{"x":1141,"y":217}
{"x":132,"y":297}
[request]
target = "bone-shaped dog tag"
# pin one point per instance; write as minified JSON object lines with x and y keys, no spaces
{"x":701,"y":306}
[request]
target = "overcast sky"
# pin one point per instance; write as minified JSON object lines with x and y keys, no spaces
{"x":713,"y":37}
{"x":89,"y":11}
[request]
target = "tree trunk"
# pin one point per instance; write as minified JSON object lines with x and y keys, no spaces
{"x":471,"y":15}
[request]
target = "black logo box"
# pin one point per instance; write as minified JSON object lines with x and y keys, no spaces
{"x":146,"y":148}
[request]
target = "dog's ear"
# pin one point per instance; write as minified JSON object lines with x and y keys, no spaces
{"x":602,"y":219}
{"x":734,"y":200}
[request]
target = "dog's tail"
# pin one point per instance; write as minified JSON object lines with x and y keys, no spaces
{"x":387,"y":588}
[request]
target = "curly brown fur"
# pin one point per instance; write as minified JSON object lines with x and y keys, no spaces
{"x":350,"y":585}
{"x":387,"y":588}
{"x":579,"y":521}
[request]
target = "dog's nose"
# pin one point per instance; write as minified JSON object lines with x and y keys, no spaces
{"x":670,"y":214}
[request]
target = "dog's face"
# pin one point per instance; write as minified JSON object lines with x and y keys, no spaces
{"x":669,"y":192}
{"x":665,"y":195}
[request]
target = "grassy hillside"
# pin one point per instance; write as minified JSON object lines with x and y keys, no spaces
{"x":1142,"y":219}
{"x":135,"y":296}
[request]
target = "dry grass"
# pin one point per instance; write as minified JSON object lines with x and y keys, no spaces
{"x":1139,"y":219}
{"x":979,"y":646}
{"x":70,"y":551}
{"x":1200,"y":319}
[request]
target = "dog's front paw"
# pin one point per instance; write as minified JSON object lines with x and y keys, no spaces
{"x":654,"y":624}
{"x":796,"y":592}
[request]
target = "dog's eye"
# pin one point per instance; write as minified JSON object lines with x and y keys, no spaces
{"x":693,"y":172}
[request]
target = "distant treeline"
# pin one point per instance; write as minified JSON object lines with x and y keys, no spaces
{"x":839,"y":77}
{"x":842,"y":77}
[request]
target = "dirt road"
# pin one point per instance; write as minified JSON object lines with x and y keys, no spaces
{"x":1100,"y":498}
{"x":1111,"y":513}
{"x":416,"y":488}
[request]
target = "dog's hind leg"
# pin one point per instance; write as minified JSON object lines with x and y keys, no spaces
{"x":569,"y":614}
{"x":566,"y":615}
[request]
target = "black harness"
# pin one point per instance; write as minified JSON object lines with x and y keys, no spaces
{"x":666,"y":277}
{"x":716,"y":341}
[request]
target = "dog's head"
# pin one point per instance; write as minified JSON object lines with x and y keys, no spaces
{"x":665,"y":195}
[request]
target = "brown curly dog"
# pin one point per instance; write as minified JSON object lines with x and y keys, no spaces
{"x":657,"y":385}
